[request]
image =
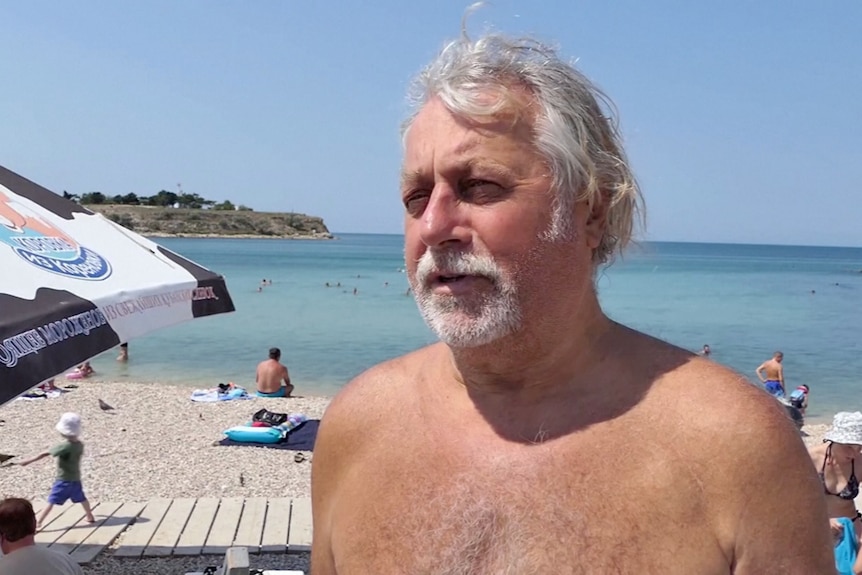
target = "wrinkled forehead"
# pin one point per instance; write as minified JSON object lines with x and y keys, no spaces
{"x":439,"y":133}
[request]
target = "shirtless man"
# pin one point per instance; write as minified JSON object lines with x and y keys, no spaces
{"x":270,"y":374}
{"x":773,"y":381}
{"x":539,"y":436}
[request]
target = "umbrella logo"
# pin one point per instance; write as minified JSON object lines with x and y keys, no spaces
{"x":39,"y":243}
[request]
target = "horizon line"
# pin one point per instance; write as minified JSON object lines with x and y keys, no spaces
{"x":653,"y":241}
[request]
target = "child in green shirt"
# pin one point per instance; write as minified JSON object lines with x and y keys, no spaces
{"x":68,"y":453}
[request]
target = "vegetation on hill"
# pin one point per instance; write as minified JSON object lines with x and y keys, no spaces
{"x":164,"y":199}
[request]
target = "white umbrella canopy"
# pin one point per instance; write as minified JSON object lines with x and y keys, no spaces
{"x":74,"y":284}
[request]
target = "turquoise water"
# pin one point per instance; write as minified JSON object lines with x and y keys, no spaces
{"x":745,"y":301}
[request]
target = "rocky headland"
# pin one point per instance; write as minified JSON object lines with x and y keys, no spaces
{"x":185,"y":222}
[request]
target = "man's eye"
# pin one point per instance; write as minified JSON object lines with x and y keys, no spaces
{"x":479,"y":191}
{"x":415,"y":203}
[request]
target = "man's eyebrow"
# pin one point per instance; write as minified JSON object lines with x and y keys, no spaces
{"x":411,"y":178}
{"x":487,"y":164}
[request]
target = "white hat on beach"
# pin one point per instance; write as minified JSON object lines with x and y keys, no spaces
{"x":69,"y":425}
{"x":846,"y":428}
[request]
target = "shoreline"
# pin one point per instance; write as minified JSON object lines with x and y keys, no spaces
{"x":240,"y":236}
{"x":308,"y":390}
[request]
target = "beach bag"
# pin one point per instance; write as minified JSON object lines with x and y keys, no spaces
{"x":846,"y":549}
{"x":270,"y":417}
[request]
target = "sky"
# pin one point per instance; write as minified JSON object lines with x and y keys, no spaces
{"x":742,"y":120}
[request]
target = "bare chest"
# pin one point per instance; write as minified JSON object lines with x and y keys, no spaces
{"x":450,"y":510}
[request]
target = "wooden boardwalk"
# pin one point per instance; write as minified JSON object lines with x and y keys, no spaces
{"x":165,"y":527}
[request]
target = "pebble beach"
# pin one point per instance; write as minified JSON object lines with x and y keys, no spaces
{"x":155,"y":443}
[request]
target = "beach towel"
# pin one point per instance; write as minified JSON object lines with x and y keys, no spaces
{"x":846,"y":549}
{"x":213,"y":395}
{"x":39,"y":394}
{"x":204,"y":395}
{"x":298,"y":439}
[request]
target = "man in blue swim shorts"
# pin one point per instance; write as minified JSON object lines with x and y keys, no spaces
{"x":270,"y":374}
{"x":771,"y":374}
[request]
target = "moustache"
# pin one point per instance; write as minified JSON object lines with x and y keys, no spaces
{"x":433,"y":264}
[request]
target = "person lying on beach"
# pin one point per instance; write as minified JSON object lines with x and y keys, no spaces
{"x":540,"y":436}
{"x":68,"y":453}
{"x":835,"y":460}
{"x":771,"y":374}
{"x":270,"y":375}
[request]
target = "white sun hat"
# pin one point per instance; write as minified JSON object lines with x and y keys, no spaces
{"x":846,"y":428}
{"x":69,"y":425}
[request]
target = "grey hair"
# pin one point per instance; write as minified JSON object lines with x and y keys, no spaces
{"x":579,"y":139}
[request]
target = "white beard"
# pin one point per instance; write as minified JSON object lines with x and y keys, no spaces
{"x":466,"y":320}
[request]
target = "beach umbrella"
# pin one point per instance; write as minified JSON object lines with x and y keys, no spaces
{"x":74,"y":284}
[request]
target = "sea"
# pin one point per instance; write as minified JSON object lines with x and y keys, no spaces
{"x":745,"y":301}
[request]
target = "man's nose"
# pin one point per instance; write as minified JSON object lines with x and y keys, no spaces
{"x":445,"y":219}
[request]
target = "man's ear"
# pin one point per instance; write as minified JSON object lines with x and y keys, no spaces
{"x":596,"y":224}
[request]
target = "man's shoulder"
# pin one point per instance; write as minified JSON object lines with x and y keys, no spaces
{"x":368,"y":412}
{"x":377,"y":396}
{"x":37,"y":558}
{"x":712,"y":405}
{"x":709,"y":395}
{"x":744,"y":454}
{"x":385,"y":383}
{"x":721,"y":396}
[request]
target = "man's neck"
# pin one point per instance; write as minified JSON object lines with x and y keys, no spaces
{"x":534,"y":388}
{"x":12,"y":546}
{"x":535,"y":363}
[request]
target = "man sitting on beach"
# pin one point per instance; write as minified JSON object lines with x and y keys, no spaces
{"x":540,"y":436}
{"x":21,"y":555}
{"x":270,"y":374}
{"x":773,"y":381}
